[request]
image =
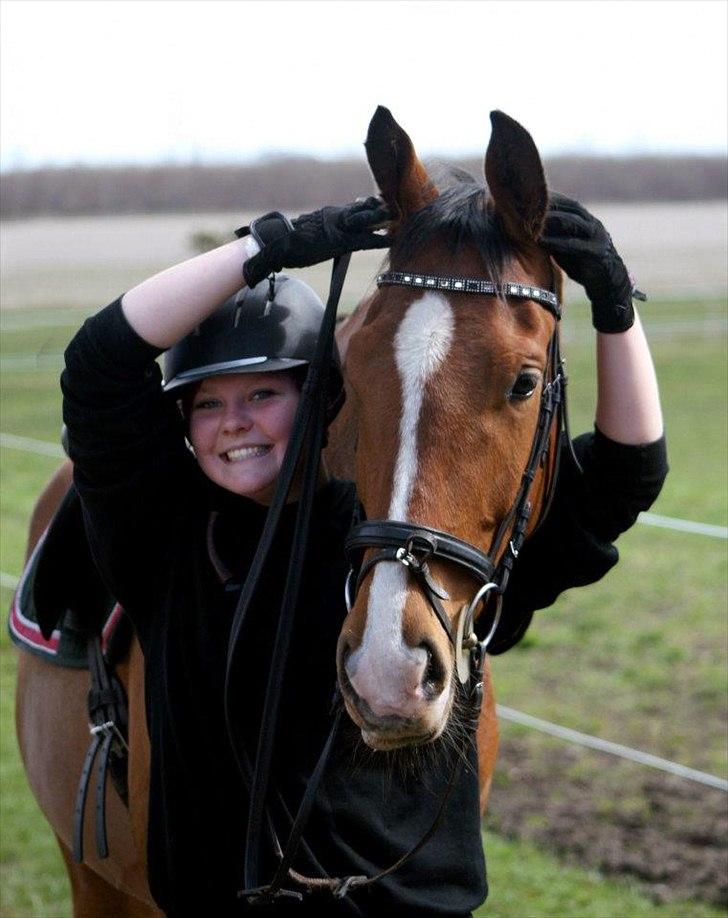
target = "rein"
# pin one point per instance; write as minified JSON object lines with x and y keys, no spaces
{"x":393,"y":541}
{"x":305,"y":443}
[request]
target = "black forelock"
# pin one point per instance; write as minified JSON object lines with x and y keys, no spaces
{"x":458,"y":217}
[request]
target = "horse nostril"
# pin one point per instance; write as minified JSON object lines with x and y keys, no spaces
{"x":433,"y":678}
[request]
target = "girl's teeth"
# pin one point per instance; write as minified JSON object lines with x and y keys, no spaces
{"x":246,"y":452}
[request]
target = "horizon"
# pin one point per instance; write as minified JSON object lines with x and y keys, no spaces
{"x":336,"y":158}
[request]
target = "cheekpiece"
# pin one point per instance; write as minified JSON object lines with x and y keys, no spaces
{"x":471,"y":285}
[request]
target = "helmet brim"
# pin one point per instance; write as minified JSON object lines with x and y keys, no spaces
{"x":230,"y":367}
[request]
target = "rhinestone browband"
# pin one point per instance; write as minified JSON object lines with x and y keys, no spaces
{"x":471,"y":285}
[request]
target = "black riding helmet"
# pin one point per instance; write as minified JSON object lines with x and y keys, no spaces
{"x":273,"y":326}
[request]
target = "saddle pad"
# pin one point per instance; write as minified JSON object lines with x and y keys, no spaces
{"x":66,"y":646}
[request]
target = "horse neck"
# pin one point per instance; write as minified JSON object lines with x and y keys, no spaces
{"x":339,"y":455}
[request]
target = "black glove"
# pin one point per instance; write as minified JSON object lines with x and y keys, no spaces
{"x":312,"y":238}
{"x":580,"y":245}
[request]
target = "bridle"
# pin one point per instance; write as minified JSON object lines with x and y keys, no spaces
{"x":414,"y":545}
{"x":401,"y":542}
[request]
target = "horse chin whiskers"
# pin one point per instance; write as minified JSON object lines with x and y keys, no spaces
{"x":413,"y":757}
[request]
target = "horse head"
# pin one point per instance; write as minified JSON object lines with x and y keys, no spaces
{"x":445,"y":388}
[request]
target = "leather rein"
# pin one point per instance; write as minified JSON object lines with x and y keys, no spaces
{"x":394,"y":541}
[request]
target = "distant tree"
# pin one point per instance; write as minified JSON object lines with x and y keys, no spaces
{"x":295,"y":182}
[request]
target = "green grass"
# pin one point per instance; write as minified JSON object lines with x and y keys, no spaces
{"x":637,"y":658}
{"x":525,"y":882}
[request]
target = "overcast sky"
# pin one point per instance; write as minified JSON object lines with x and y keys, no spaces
{"x":101,"y":81}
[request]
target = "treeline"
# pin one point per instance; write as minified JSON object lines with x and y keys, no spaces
{"x":295,"y":182}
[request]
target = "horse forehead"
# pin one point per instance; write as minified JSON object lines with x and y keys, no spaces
{"x":424,"y":337}
{"x":435,"y":333}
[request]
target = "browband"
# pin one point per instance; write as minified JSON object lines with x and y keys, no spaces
{"x":471,"y":285}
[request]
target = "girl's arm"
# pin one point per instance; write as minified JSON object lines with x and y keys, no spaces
{"x":166,"y":307}
{"x":628,"y":400}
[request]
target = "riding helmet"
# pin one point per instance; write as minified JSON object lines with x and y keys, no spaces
{"x":272,"y":326}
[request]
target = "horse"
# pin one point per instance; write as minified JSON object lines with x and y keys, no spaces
{"x":433,"y":435}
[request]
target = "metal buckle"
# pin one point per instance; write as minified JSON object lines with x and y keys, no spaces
{"x":496,"y":621}
{"x":343,"y":886}
{"x":347,"y":590}
{"x":108,"y":727}
{"x":464,"y":643}
{"x":405,"y":557}
{"x":423,"y":543}
{"x":467,"y":643}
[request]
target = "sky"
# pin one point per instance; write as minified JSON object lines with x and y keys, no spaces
{"x":139,"y":81}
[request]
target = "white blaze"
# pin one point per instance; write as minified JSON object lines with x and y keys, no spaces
{"x":421,"y":345}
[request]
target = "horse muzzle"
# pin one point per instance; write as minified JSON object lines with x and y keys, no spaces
{"x":404,"y":707}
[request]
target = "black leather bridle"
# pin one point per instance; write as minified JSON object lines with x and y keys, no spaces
{"x":401,"y":542}
{"x":413,"y":545}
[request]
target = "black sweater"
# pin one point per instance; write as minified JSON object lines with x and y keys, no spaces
{"x":149,"y":513}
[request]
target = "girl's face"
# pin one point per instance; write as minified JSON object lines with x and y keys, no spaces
{"x":239,"y":427}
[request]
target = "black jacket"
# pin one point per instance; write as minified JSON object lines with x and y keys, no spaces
{"x":149,"y":513}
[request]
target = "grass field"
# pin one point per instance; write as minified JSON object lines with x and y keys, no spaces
{"x":638,"y":658}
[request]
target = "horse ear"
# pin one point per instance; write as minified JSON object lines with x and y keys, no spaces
{"x":515,"y":178}
{"x":400,"y":176}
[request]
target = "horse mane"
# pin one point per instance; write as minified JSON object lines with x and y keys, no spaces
{"x":460,"y":216}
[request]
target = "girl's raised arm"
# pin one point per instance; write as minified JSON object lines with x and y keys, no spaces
{"x":628,"y":400}
{"x":166,"y":307}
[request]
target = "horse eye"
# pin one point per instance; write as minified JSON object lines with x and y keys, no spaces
{"x":524,"y":386}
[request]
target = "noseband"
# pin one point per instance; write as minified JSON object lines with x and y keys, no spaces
{"x":413,"y":545}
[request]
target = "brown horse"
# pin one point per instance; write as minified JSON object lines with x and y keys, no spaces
{"x":431,"y":435}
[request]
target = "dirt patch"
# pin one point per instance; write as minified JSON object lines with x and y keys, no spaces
{"x":669,"y":834}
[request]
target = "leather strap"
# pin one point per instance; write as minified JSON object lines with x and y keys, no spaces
{"x":102,"y":846}
{"x":81,"y":794}
{"x":478,"y":285}
{"x":272,"y":890}
{"x":421,"y":572}
{"x":107,"y":711}
{"x":341,"y":886}
{"x":306,"y":440}
{"x":388,"y":533}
